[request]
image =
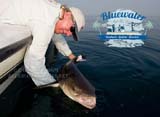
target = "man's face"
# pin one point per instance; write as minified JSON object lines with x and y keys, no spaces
{"x":63,"y":26}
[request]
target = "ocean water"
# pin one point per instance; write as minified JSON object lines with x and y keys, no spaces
{"x":127,"y":80}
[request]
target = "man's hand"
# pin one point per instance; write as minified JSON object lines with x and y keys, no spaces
{"x":71,"y":56}
{"x":77,"y":59}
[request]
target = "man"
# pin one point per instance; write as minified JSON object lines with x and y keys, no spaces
{"x":45,"y":19}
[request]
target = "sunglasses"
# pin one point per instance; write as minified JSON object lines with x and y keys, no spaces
{"x":73,"y":31}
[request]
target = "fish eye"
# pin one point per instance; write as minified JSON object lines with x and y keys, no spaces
{"x":75,"y":94}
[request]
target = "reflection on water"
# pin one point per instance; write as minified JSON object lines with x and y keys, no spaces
{"x":127,"y":81}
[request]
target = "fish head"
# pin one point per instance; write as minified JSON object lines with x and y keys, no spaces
{"x":76,"y":86}
{"x":87,"y":101}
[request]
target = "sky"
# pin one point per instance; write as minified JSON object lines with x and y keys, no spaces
{"x":96,"y":7}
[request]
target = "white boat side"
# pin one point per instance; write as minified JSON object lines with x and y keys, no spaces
{"x":10,"y":57}
{"x":12,"y":61}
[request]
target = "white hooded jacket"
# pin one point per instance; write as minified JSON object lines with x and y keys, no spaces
{"x":40,"y":16}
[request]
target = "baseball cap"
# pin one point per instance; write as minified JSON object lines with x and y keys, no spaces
{"x":79,"y":19}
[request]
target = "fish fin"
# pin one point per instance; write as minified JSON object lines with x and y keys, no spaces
{"x":53,"y":84}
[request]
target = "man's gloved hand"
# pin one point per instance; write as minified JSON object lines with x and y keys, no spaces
{"x":80,"y":58}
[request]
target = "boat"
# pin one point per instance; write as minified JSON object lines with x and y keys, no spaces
{"x":12,"y":88}
{"x":11,"y":56}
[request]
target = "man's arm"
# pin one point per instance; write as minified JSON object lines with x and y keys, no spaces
{"x":34,"y":60}
{"x":62,"y":46}
{"x":64,"y":49}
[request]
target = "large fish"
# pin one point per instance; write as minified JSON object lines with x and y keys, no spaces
{"x":76,"y":86}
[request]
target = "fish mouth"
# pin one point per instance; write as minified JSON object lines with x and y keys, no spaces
{"x":88,"y":102}
{"x":90,"y":106}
